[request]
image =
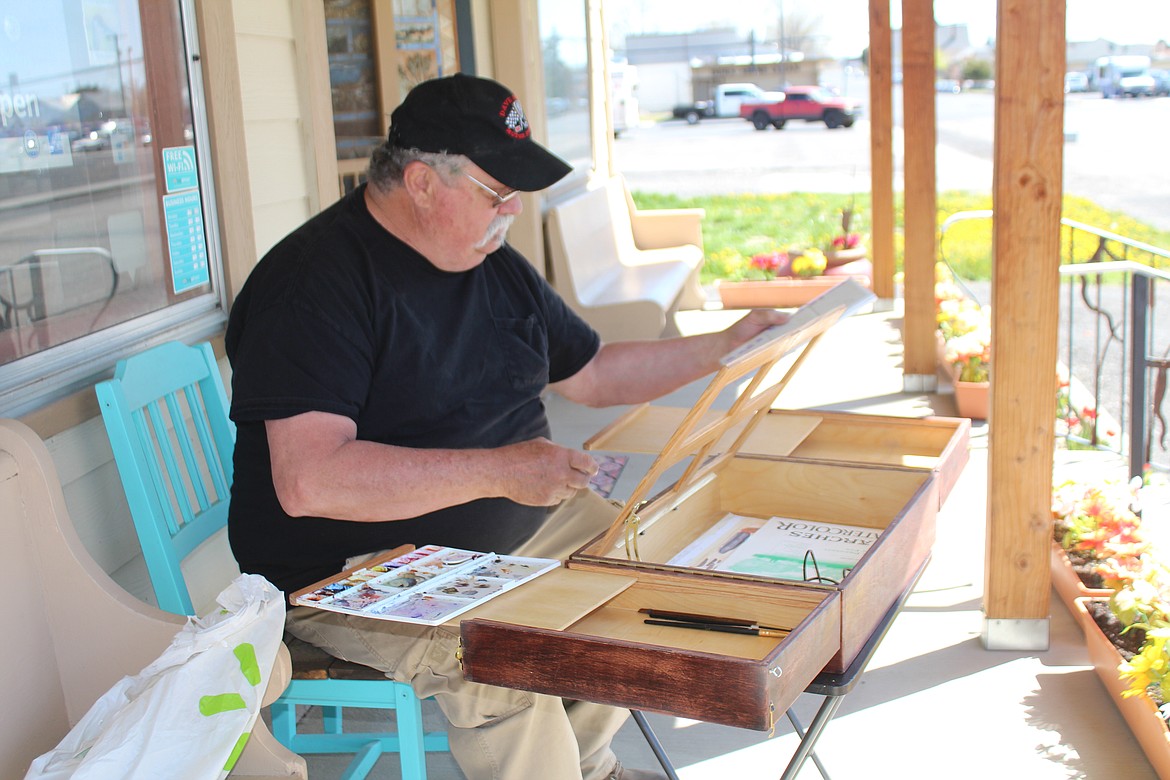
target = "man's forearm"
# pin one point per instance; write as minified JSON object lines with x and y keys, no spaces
{"x":320,"y":469}
{"x":632,"y":372}
{"x":367,"y":482}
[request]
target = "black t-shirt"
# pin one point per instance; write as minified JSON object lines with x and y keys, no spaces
{"x":342,"y":317}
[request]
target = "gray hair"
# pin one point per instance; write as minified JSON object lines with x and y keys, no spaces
{"x":388,"y":165}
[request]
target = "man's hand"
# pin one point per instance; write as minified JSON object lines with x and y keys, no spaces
{"x":540,"y":473}
{"x":754,"y":323}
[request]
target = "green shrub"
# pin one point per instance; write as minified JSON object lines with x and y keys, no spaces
{"x":743,"y":225}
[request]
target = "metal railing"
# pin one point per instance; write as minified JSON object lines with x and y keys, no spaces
{"x":1114,"y":346}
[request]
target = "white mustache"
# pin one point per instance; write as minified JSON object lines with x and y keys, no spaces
{"x":496,"y":230}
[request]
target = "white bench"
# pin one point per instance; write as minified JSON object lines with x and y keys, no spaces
{"x":70,"y":631}
{"x":624,"y":270}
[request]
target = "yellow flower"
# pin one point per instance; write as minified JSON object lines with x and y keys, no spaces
{"x":1149,"y":667}
{"x":809,"y":262}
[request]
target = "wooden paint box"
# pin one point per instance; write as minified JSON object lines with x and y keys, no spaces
{"x":594,"y":644}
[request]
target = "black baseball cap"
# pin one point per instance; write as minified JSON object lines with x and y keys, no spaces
{"x":481,"y":119}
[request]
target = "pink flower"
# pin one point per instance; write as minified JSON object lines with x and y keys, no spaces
{"x":769,"y":261}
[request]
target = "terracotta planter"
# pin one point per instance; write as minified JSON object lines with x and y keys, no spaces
{"x":841,"y":256}
{"x":973,"y":399}
{"x":1067,"y":583}
{"x":779,"y":293}
{"x":1139,"y":712}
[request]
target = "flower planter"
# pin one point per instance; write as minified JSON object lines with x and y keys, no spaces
{"x":834,"y":257}
{"x":973,"y":399}
{"x":783,"y":292}
{"x":1139,"y":712}
{"x":1067,"y":583}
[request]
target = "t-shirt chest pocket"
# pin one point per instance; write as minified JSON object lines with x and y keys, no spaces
{"x":523,"y":351}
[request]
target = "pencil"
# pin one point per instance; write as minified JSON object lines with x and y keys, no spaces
{"x":663,"y":614}
{"x":721,"y":627}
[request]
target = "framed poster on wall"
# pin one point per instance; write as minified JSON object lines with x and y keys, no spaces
{"x":424,"y":35}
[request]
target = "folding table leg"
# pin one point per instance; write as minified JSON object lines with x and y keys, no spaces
{"x":808,"y":739}
{"x":812,"y":753}
{"x":655,"y":745}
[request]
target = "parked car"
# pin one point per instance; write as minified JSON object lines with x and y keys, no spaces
{"x":1075,"y":81}
{"x":728,"y":98}
{"x":947,"y":85}
{"x":1161,"y":81}
{"x":811,"y":104}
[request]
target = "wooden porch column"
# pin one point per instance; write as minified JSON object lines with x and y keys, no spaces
{"x":516,"y":63}
{"x":1026,"y":193}
{"x":881,"y":148}
{"x":919,"y":372}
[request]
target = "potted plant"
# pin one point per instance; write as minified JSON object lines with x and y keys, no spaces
{"x":1127,"y":632}
{"x":970,"y":357}
{"x":775,"y":277}
{"x":1127,"y":638}
{"x":1098,"y":546}
{"x":847,"y":246}
{"x":1078,"y":425}
{"x":956,"y":315}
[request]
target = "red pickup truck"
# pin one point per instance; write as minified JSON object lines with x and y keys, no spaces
{"x":812,"y":104}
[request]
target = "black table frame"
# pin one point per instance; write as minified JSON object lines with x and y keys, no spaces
{"x":833,"y":686}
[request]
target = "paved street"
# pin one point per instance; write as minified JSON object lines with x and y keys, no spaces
{"x":1116,"y":156}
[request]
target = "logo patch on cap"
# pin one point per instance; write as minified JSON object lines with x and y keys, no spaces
{"x":515,"y":122}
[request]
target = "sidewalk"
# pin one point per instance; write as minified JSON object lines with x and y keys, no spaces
{"x":933,"y":703}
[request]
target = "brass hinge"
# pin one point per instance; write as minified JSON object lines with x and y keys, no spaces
{"x":459,"y":654}
{"x":632,"y":523}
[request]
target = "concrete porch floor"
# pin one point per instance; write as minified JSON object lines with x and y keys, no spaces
{"x":933,"y":703}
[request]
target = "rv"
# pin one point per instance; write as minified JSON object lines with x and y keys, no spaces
{"x":623,"y":82}
{"x":1124,"y":76}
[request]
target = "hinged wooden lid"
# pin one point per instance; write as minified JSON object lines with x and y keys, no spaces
{"x":753,"y":363}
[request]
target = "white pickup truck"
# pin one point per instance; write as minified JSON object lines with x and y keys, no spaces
{"x":726,"y":103}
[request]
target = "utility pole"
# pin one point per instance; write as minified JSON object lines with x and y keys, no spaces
{"x":783,"y":48}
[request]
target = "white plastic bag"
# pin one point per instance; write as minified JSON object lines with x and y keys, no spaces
{"x":188,"y":714}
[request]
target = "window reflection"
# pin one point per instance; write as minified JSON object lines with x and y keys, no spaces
{"x":94,"y":230}
{"x":566,"y":79}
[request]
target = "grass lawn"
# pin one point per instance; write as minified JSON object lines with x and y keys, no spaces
{"x":738,"y":226}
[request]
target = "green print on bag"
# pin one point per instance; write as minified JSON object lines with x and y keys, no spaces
{"x":215,"y":704}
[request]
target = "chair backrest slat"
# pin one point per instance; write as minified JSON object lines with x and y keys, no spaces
{"x":166,"y":452}
{"x":192,"y":474}
{"x":215,"y":465}
{"x":149,"y":461}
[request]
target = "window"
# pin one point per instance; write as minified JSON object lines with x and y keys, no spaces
{"x":563,"y":41}
{"x":107,"y":233}
{"x":376,"y":57}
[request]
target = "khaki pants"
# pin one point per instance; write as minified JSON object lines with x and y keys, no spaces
{"x":495,"y":733}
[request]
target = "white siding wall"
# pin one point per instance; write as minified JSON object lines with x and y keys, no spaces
{"x":282,"y":182}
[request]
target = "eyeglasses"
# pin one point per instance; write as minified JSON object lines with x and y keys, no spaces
{"x":497,"y":198}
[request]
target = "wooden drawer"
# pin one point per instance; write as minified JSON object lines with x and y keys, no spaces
{"x":901,"y":503}
{"x":603,"y":651}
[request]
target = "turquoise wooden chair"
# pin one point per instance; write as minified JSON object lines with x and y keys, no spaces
{"x":166,"y":413}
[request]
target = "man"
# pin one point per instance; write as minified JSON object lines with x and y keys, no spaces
{"x":388,"y":362}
